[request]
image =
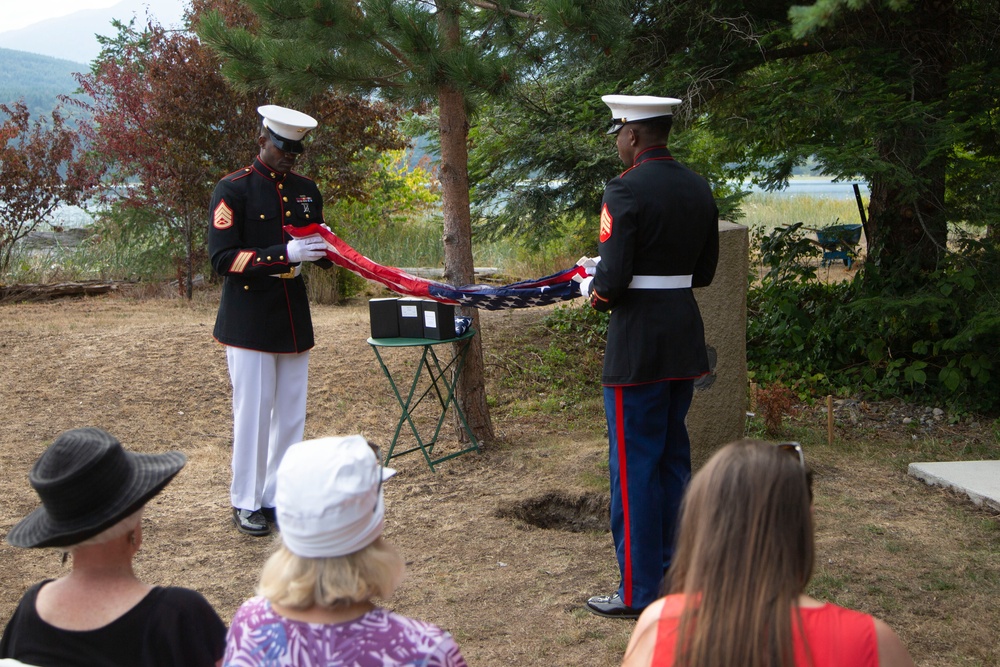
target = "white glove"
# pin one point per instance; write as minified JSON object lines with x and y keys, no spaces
{"x":589,"y":264}
{"x":306,"y":249}
{"x":585,"y":285}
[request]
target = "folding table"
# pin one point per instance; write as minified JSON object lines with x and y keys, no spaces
{"x":438,"y":381}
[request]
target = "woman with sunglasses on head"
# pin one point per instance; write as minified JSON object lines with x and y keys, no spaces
{"x":314,"y":605}
{"x":737,"y":583}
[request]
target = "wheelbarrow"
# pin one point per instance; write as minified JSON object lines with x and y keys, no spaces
{"x":838,"y":242}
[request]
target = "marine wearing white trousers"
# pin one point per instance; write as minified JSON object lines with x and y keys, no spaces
{"x":269,"y":414}
{"x":263,"y":317}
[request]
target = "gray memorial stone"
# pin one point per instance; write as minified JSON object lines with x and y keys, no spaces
{"x":718,"y":413}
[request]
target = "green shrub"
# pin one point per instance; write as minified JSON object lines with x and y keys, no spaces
{"x":935,"y":343}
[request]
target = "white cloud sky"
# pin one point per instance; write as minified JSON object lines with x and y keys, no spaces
{"x":20,"y":13}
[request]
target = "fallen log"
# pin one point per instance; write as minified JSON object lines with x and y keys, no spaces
{"x":48,"y":291}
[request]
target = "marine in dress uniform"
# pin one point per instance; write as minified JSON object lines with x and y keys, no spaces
{"x":659,"y":237}
{"x":263,"y":317}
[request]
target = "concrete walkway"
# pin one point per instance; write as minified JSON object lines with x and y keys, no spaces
{"x":979,"y":480}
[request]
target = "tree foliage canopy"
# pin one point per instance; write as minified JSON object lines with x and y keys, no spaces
{"x":901,"y":95}
{"x":401,"y":49}
{"x":39,"y":170}
{"x":169,"y":126}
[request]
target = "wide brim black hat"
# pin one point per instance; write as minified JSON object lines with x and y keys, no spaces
{"x":87,"y":483}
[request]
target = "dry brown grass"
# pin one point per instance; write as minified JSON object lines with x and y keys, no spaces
{"x":512,"y":593}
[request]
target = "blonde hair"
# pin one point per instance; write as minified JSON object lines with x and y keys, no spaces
{"x":123,"y":527}
{"x":744,"y":554}
{"x":297,"y":582}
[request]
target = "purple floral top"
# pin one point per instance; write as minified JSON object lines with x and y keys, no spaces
{"x":258,"y":637}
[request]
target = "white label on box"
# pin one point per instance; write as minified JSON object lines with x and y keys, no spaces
{"x":430,"y":319}
{"x":408,"y":311}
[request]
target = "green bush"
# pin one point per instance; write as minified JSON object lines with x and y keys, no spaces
{"x":935,"y":343}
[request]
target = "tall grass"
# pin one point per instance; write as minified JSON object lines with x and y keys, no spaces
{"x":766,"y":211}
{"x":409,"y":244}
{"x":419,"y":244}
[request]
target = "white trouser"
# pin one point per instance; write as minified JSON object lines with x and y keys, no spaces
{"x":269,"y":415}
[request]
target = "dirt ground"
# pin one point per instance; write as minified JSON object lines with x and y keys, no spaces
{"x":512,"y":593}
{"x":150,"y":373}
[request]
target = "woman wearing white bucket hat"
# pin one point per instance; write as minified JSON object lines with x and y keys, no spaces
{"x":314,"y":604}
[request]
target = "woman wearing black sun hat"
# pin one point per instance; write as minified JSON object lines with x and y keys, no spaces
{"x":93,"y":492}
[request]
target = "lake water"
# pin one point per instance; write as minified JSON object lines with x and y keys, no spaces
{"x":73,"y":216}
{"x":817,"y":187}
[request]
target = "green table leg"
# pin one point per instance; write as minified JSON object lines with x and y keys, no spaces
{"x":445,"y":395}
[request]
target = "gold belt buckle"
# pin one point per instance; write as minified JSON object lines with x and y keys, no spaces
{"x":288,"y":275}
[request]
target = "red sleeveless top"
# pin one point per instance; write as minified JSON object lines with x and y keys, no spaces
{"x":836,"y":637}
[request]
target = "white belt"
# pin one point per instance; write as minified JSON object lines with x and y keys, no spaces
{"x":660,"y":282}
{"x":291,"y":273}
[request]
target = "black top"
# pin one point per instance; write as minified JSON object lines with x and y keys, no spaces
{"x":170,"y":627}
{"x":247,"y":245}
{"x":657,"y":219}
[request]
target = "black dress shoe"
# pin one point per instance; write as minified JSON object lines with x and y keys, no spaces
{"x":271,"y":515}
{"x":251,"y":522}
{"x":611,"y":606}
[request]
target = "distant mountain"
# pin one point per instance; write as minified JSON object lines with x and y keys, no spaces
{"x":72,"y":37}
{"x":38,"y":80}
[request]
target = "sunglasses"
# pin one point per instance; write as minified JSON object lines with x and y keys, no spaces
{"x":293,"y":146}
{"x":793,"y":449}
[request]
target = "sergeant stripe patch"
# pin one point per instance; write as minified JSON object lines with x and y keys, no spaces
{"x":222,"y":218}
{"x":606,"y":221}
{"x":241,"y":261}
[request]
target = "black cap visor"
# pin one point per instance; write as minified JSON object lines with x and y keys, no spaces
{"x":288,"y":145}
{"x":618,"y":123}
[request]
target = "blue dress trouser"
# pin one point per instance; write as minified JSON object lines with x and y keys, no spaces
{"x":650,"y":465}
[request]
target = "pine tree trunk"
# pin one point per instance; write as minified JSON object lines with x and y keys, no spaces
{"x":907,"y":230}
{"x":458,"y":265}
{"x":906,"y":235}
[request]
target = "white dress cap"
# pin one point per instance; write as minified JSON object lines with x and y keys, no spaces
{"x":286,"y":123}
{"x":633,"y":108}
{"x":329,"y":499}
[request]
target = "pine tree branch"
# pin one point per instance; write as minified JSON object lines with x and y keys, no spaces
{"x":482,"y":4}
{"x":396,"y":53}
{"x":802,"y":50}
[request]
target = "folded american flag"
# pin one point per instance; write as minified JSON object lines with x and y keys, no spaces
{"x":541,"y":292}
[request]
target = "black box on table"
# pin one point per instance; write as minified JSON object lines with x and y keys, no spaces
{"x":439,"y":320}
{"x":384,"y":318}
{"x":410,"y":317}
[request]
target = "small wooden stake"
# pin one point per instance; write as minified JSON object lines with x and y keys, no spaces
{"x":829,"y":420}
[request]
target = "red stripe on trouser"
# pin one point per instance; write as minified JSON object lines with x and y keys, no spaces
{"x":623,"y":483}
